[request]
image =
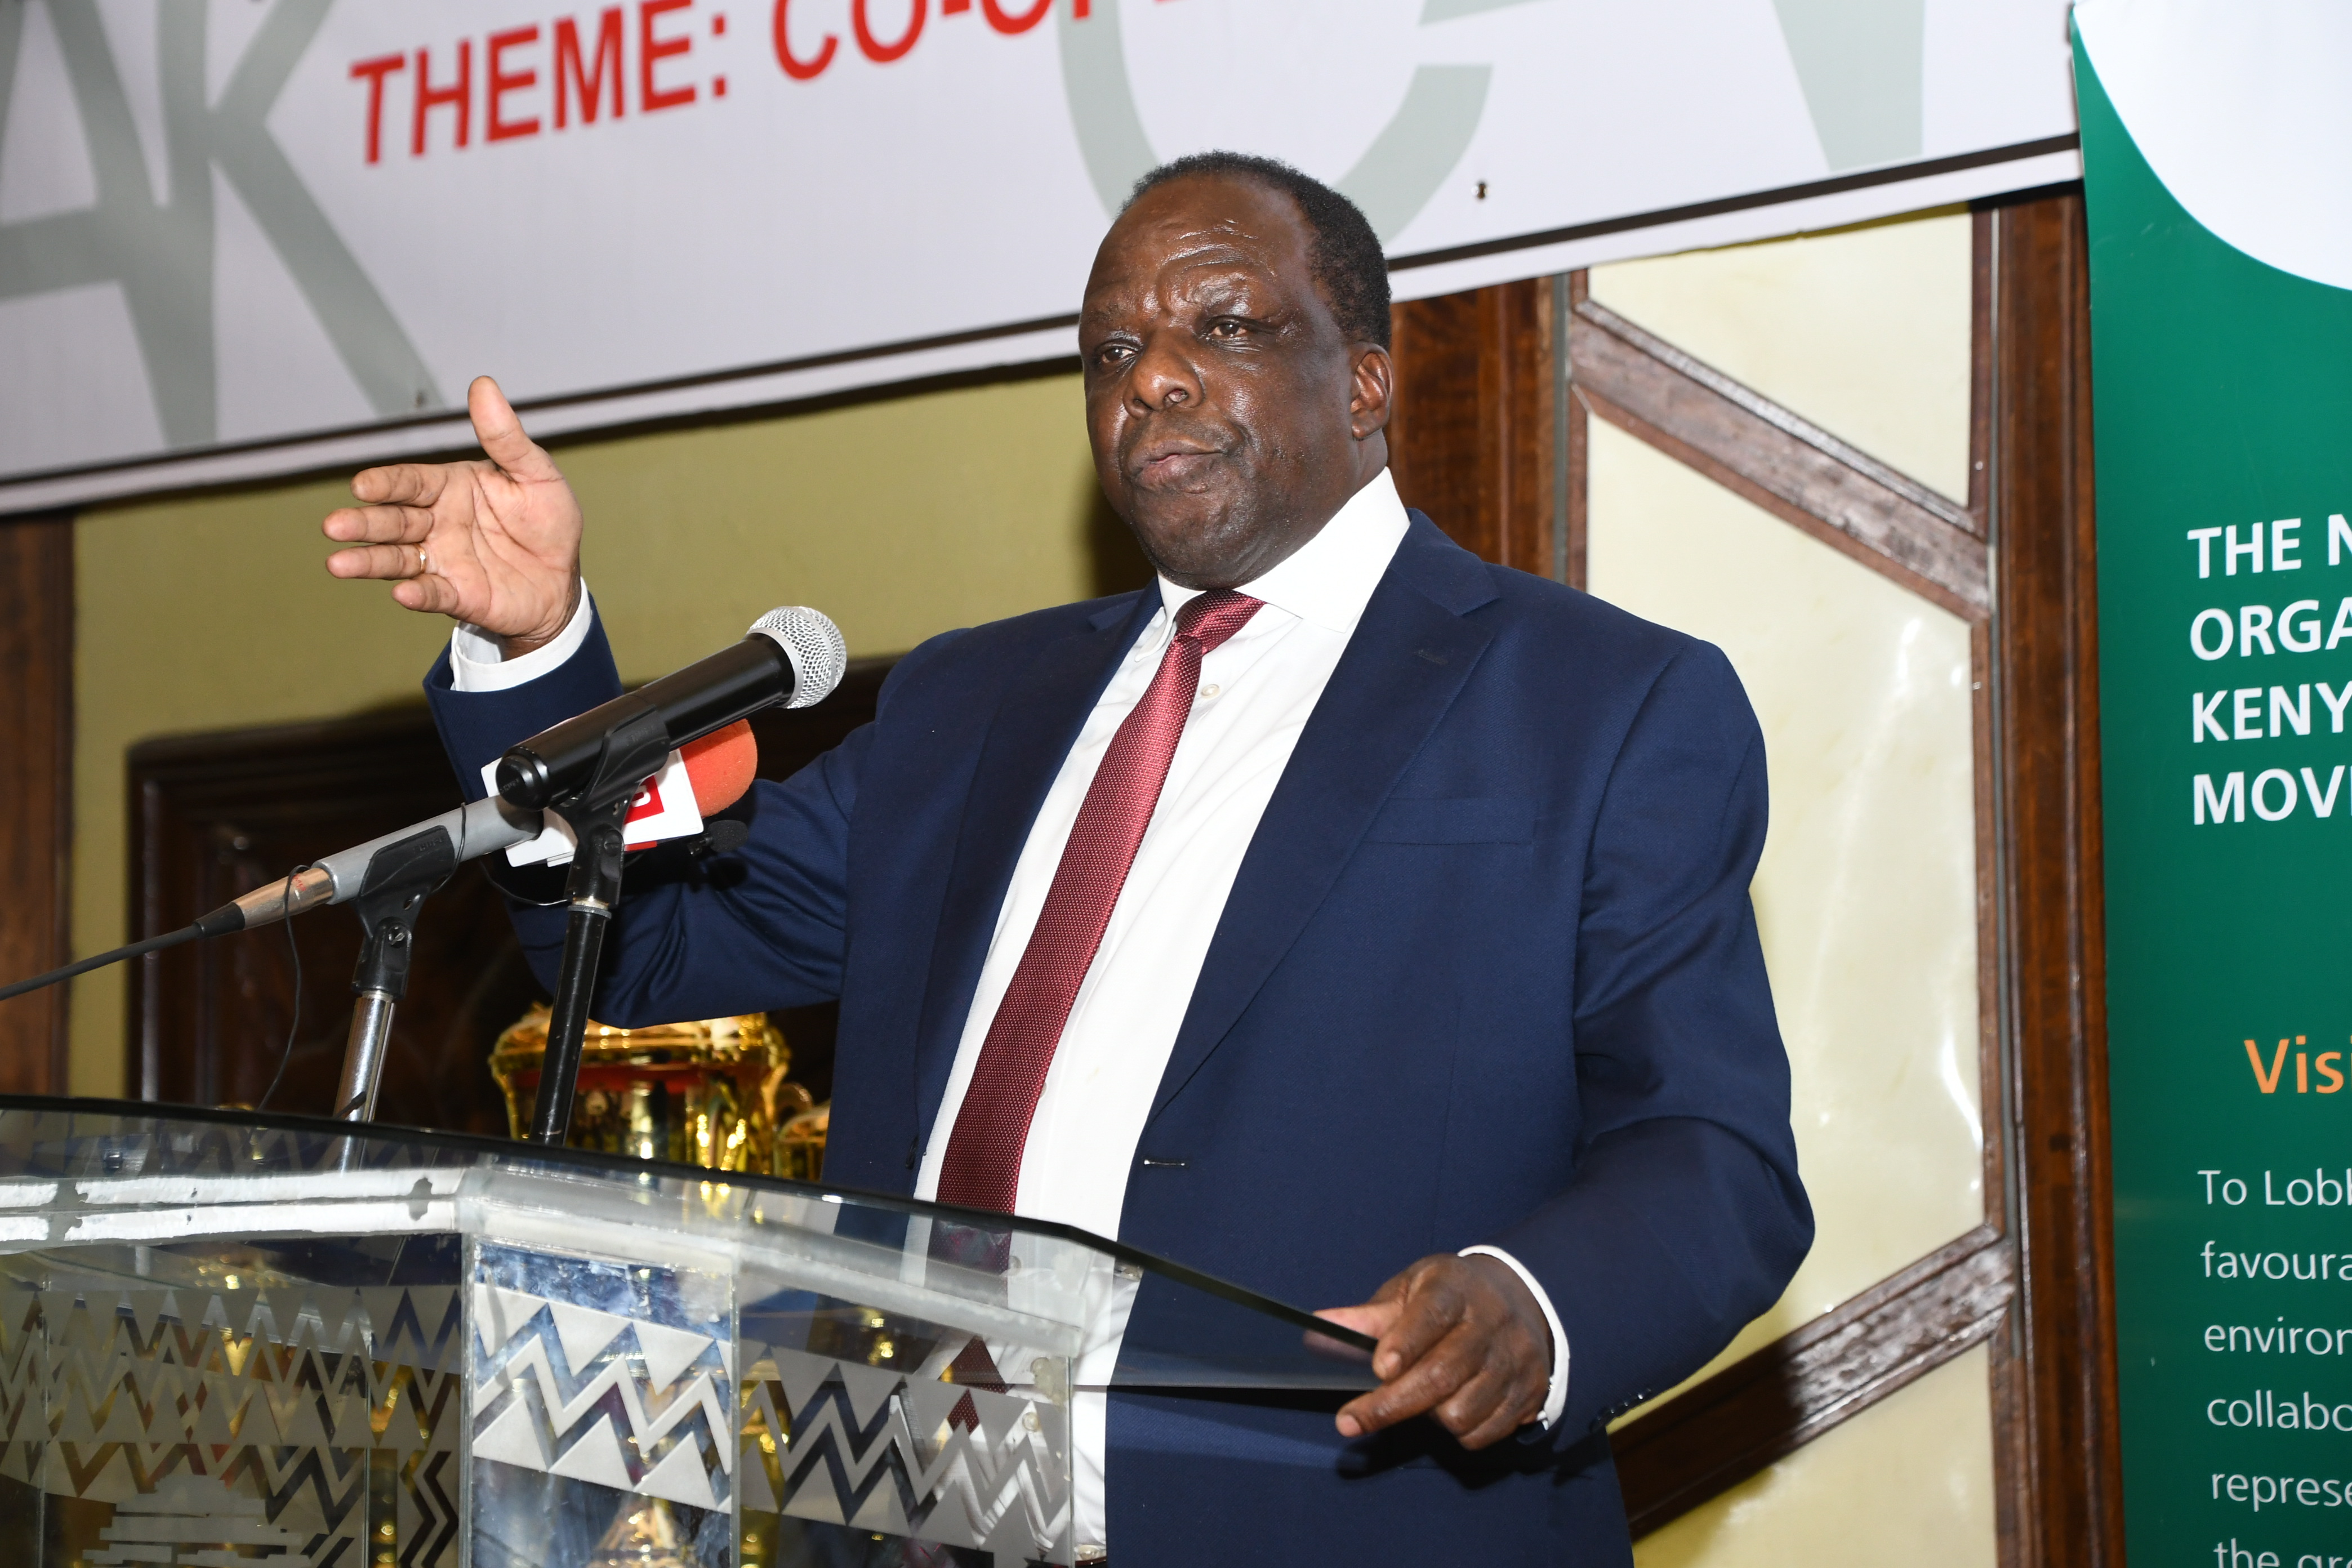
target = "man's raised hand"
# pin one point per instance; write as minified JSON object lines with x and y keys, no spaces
{"x":492,"y":542}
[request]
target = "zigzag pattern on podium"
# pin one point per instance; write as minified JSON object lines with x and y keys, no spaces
{"x":199,"y":1523}
{"x":420,"y":1326}
{"x":114,"y":1396}
{"x":864,"y":1447}
{"x":623,"y":1403}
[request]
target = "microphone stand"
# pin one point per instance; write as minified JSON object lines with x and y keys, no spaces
{"x":398,"y":880}
{"x":632,"y":752}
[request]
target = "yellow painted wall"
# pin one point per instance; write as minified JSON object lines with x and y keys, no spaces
{"x":899,"y":518}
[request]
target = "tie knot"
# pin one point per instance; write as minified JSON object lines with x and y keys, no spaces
{"x":1211,"y":617}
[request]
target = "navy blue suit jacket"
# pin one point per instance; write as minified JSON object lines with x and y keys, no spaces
{"x":1488,"y":973}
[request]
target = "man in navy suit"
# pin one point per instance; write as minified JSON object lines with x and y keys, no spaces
{"x":1338,"y":900}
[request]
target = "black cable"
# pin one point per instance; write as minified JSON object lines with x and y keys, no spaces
{"x":136,"y":950}
{"x":294,"y":1024}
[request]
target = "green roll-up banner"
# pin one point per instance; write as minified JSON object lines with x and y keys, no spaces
{"x":2219,"y":185}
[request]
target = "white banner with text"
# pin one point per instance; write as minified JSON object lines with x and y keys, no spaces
{"x":250,"y":236}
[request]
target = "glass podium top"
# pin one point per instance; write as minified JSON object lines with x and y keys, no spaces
{"x":287,"y":1341}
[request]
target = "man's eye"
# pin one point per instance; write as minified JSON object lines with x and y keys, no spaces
{"x":1227,"y":327}
{"x":1115,"y":354}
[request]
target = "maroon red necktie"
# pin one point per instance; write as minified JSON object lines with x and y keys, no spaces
{"x":982,"y":1168}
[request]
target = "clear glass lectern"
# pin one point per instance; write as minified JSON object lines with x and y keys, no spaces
{"x":230,"y":1340}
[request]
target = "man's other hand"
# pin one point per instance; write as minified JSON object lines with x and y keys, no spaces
{"x":1462,"y":1339}
{"x":494,"y":543}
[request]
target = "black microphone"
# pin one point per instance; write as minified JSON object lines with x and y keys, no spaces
{"x":794,"y":655}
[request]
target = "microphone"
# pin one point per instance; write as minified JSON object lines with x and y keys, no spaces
{"x":467,"y":833}
{"x":794,"y":655}
{"x":719,"y":767}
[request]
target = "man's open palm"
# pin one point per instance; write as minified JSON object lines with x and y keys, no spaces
{"x":495,"y":543}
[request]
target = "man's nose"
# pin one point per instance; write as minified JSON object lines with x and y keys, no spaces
{"x":1164,"y":375}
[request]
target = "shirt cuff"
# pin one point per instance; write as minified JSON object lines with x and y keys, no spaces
{"x":477,"y":663}
{"x":1556,"y":1400}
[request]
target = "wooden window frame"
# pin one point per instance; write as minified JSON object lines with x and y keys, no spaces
{"x":2033,"y":1282}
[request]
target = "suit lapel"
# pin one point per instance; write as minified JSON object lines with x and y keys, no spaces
{"x":1045,"y":706}
{"x":1408,"y":659}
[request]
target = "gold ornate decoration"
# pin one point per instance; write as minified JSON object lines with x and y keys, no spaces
{"x":800,"y":1144}
{"x":709,"y":1092}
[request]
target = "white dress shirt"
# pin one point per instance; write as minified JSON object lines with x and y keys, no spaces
{"x":1257,"y":690}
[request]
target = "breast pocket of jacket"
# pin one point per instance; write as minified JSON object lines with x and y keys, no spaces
{"x":1476,"y":819}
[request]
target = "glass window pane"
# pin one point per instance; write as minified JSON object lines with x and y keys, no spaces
{"x":1865,"y":331}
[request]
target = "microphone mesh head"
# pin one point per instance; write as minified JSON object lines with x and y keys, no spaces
{"x":814,"y":645}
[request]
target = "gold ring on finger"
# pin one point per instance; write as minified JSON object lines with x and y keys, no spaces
{"x":423,"y":561}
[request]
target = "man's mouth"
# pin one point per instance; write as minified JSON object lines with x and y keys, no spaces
{"x":1171,"y":462}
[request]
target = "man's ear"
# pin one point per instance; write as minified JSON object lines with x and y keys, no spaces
{"x":1373,"y":395}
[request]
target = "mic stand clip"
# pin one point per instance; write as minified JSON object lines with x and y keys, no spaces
{"x":398,"y":880}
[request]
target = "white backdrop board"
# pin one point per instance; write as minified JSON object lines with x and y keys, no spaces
{"x":247,"y":237}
